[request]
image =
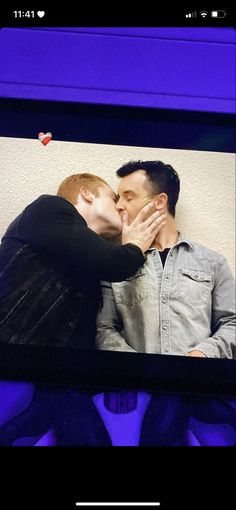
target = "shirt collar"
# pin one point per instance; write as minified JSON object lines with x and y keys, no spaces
{"x":181,"y":240}
{"x":184,"y":240}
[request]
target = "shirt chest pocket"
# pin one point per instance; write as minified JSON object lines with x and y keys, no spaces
{"x":131,"y":291}
{"x":194,"y":286}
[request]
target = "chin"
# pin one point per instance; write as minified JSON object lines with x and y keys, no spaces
{"x":112,"y":231}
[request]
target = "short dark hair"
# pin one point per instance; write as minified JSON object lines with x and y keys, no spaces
{"x":163,"y":179}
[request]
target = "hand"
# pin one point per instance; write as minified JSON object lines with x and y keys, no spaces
{"x":142,"y":232}
{"x":196,"y":354}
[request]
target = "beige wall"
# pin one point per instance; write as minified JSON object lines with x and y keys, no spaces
{"x":206,"y":208}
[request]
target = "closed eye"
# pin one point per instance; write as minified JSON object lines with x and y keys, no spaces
{"x":115,"y":198}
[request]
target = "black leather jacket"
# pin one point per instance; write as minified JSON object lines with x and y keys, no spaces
{"x":51,"y":265}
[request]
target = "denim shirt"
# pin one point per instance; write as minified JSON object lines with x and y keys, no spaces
{"x":187,"y":305}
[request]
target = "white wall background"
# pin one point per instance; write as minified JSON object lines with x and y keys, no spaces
{"x":206,"y":207}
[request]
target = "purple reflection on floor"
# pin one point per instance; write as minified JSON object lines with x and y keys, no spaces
{"x":124,"y":422}
{"x":48,"y":439}
{"x":124,"y":427}
{"x":14,"y":398}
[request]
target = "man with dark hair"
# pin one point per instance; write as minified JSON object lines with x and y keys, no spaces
{"x":159,"y":178}
{"x":182,"y":301}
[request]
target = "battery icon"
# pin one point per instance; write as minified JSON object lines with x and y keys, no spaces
{"x":218,"y":14}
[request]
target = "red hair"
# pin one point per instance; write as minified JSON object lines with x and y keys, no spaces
{"x":70,"y":187}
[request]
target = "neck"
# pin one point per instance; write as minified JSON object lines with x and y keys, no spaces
{"x":88,"y":217}
{"x":167,"y":237}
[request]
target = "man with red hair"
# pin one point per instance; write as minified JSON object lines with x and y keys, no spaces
{"x":53,"y":256}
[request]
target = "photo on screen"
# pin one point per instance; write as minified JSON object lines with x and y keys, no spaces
{"x":42,"y":144}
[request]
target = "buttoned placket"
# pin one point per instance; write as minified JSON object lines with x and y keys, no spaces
{"x":156,"y":287}
{"x":164,"y":298}
{"x":165,"y":302}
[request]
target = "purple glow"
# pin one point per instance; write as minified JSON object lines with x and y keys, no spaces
{"x":124,"y":428}
{"x":163,"y":68}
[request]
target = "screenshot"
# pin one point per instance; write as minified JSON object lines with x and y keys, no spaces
{"x":117,"y":252}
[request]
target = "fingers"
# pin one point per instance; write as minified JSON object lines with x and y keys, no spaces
{"x":156,"y":218}
{"x":143,"y":213}
{"x":125,"y":219}
{"x":157,"y":224}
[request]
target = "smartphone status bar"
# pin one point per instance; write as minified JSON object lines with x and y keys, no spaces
{"x":98,"y":17}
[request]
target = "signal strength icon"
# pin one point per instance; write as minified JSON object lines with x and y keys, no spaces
{"x":203,"y":14}
{"x":191,"y":14}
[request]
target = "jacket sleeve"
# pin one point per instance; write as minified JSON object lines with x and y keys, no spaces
{"x":222,"y":343}
{"x":109,"y":326}
{"x":53,"y":226}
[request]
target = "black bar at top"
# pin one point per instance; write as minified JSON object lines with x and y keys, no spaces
{"x":117,"y":16}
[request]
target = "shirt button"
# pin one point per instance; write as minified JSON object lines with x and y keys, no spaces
{"x":163,"y":300}
{"x":164,"y":327}
{"x":167,"y":277}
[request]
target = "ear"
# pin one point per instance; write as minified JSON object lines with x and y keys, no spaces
{"x":87,"y":195}
{"x":161,"y":201}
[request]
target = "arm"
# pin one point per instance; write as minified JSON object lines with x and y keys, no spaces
{"x":222,"y":343}
{"x":109,"y":324}
{"x":53,"y":226}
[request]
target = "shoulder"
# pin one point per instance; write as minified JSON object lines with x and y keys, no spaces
{"x":51,"y":206}
{"x":52,"y":201}
{"x":204,"y":252}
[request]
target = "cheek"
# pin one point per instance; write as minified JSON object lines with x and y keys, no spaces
{"x":132,"y":211}
{"x":110,"y":211}
{"x":115,"y":216}
{"x":136,"y":206}
{"x":133,"y":208}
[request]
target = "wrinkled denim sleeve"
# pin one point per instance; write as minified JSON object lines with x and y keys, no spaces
{"x":109,"y":326}
{"x":222,"y":344}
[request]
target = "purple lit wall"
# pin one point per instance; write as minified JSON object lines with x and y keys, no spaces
{"x":189,"y":69}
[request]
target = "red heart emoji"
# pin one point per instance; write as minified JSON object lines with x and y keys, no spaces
{"x":45,"y":138}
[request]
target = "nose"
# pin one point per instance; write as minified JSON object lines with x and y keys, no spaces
{"x":119,"y":207}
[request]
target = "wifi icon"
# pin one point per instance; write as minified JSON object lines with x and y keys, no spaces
{"x":203,"y":14}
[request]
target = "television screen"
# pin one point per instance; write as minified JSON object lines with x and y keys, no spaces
{"x":169,"y":306}
{"x":92,"y":291}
